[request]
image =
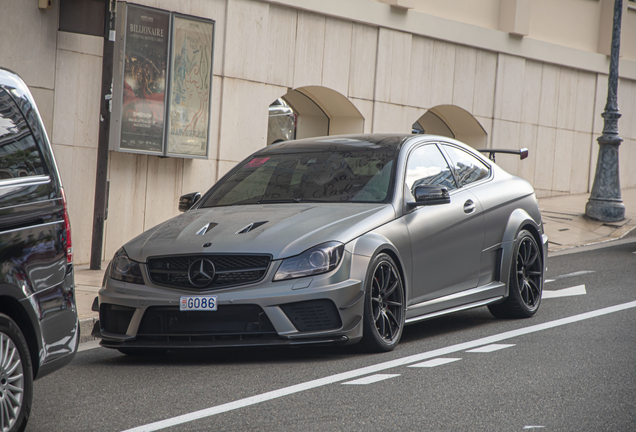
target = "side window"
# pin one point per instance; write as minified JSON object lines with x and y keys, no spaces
{"x":467,"y":167}
{"x":427,"y":166}
{"x":19,"y":152}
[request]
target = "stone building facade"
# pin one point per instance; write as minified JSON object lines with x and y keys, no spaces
{"x":492,"y":73}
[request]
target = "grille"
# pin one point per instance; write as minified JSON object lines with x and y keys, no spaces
{"x":313,"y":315}
{"x":115,"y":318}
{"x":230,"y":270}
{"x":228,"y":320}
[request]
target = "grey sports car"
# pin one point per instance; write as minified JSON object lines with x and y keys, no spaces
{"x":332,"y":240}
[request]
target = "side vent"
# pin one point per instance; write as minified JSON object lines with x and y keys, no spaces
{"x":250,"y":227}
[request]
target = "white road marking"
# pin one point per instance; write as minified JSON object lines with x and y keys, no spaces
{"x":533,"y":427}
{"x":490,"y":348}
{"x":548,"y":280}
{"x":88,"y":346}
{"x":321,"y":382}
{"x":371,"y":379}
{"x":435,"y":362}
{"x":566,"y":292}
{"x":578,"y":273}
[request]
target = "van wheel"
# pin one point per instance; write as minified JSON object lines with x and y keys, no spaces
{"x":16,"y":377}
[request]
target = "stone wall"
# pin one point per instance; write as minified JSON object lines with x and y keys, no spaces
{"x":390,"y":76}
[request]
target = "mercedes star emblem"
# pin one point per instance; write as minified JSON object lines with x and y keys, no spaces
{"x":201,"y":273}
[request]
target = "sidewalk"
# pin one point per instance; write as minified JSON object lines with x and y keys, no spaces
{"x":563,"y":221}
{"x":567,"y":227}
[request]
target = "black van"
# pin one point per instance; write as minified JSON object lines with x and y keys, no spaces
{"x":39,"y":330}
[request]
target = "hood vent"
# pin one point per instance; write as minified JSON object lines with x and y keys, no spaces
{"x":250,"y":227}
{"x":206,"y":228}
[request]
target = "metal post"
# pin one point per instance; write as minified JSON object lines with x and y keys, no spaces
{"x":605,"y":203}
{"x":101,"y":177}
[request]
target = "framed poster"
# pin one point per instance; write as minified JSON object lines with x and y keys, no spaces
{"x":191,"y":53}
{"x":140,"y":81}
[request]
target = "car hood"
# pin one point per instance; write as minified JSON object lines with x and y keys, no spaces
{"x":289,"y":229}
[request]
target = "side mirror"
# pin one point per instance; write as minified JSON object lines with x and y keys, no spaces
{"x":188,"y":200}
{"x":430,"y":195}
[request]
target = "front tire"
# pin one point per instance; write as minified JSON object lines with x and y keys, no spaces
{"x":526,"y":280}
{"x":384,"y":306}
{"x":16,"y":377}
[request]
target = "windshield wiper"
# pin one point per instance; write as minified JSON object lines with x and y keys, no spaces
{"x":280,"y":201}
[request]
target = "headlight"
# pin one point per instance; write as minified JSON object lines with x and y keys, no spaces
{"x":320,"y":259}
{"x":123,"y":269}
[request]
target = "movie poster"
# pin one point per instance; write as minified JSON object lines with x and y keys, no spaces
{"x":190,"y":87}
{"x":144,"y":81}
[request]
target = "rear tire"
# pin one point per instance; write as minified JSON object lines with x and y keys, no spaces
{"x":384,"y":306}
{"x":526,"y":280}
{"x":16,"y":377}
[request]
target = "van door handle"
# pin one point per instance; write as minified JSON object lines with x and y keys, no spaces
{"x":469,"y":206}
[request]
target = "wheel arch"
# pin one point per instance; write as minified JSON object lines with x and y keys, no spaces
{"x":518,"y":221}
{"x":14,"y":310}
{"x":371,"y":245}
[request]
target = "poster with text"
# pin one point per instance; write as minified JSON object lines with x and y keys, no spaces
{"x":190,"y":87}
{"x":144,"y":80}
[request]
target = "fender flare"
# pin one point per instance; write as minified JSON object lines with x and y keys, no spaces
{"x":369,"y":246}
{"x":519,"y":219}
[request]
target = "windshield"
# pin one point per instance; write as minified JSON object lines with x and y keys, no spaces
{"x":332,"y":177}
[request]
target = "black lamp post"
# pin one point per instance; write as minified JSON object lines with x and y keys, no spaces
{"x":605,"y":203}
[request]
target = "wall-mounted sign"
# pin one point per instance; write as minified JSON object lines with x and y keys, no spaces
{"x":162,"y":79}
{"x":190,"y":82}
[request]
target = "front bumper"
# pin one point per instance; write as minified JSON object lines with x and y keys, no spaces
{"x":323,"y":309}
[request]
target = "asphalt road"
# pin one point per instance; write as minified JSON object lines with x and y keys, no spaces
{"x":572,"y":367}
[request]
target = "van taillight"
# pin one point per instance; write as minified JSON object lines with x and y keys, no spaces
{"x":67,"y":228}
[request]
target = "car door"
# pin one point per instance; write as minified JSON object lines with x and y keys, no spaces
{"x":474,"y":174}
{"x":446,"y":239}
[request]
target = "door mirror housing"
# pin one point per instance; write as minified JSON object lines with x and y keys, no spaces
{"x":426,"y":195}
{"x":188,"y":200}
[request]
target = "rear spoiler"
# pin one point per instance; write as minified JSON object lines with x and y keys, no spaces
{"x":523,"y":153}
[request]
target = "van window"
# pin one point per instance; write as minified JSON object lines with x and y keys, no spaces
{"x":20,"y":155}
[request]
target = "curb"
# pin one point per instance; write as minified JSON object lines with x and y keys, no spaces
{"x":627,"y":234}
{"x":86,"y":327}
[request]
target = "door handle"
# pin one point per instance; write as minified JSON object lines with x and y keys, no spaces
{"x":469,"y":206}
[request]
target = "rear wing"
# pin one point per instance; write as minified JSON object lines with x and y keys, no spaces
{"x":523,"y":153}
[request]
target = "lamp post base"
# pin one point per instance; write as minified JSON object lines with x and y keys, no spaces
{"x":605,"y":210}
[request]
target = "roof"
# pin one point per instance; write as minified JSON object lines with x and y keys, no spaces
{"x":339,"y":143}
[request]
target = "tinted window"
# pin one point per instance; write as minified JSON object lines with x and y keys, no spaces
{"x":427,"y":166}
{"x":467,"y":167}
{"x":19,"y":153}
{"x":329,"y":176}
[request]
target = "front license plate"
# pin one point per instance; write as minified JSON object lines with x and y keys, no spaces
{"x":202,"y":303}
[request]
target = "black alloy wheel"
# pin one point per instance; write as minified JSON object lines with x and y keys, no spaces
{"x":529,"y":273}
{"x":384,"y":306}
{"x":526,"y":280}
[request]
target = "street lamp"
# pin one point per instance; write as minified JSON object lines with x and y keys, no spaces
{"x":605,"y":203}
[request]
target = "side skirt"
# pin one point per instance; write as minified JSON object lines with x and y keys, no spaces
{"x":451,"y":310}
{"x":471,"y":298}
